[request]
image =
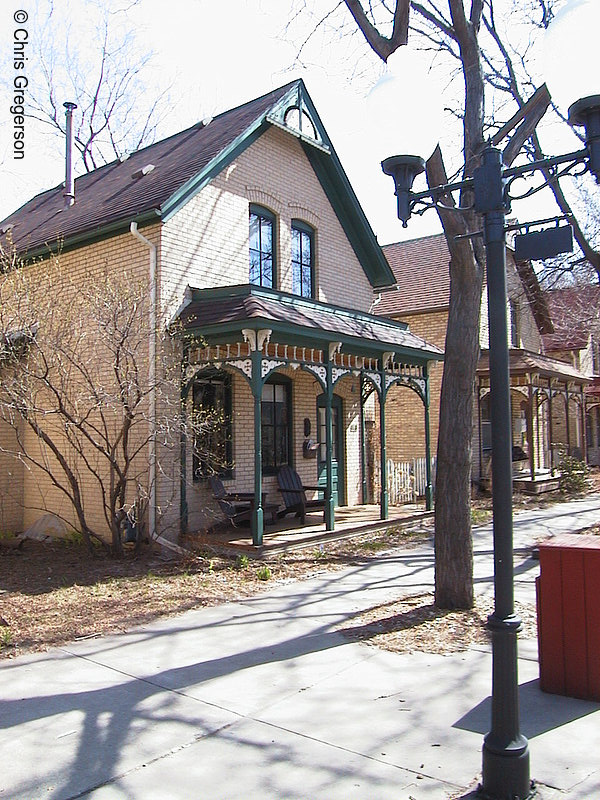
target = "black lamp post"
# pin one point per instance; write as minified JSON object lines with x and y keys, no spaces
{"x":506,"y":773}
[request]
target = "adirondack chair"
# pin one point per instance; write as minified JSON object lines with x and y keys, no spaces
{"x":294,"y":494}
{"x":238,"y":506}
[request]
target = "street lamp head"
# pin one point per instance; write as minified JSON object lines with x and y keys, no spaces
{"x":586,"y":112}
{"x":404,"y":170}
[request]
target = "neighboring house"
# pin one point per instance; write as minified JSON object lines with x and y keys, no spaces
{"x":575,"y":313}
{"x":540,"y":386}
{"x":264,"y":255}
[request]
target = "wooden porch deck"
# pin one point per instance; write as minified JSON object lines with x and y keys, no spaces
{"x":287,"y":534}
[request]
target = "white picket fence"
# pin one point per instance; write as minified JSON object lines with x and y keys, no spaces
{"x":407,"y":480}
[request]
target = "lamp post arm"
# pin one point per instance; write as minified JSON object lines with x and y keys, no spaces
{"x":576,"y":157}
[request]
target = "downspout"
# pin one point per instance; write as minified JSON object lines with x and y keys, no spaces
{"x":133,"y":228}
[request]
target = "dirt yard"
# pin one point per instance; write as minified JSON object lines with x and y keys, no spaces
{"x":54,"y":593}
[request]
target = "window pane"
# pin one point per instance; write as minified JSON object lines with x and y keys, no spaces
{"x":268,"y":391}
{"x":261,"y":249}
{"x":306,"y":282}
{"x":281,"y":451}
{"x":306,"y":248}
{"x":268,"y":414}
{"x":266,"y":235}
{"x":296,"y":280}
{"x":281,"y":414}
{"x":254,"y":274}
{"x":267,"y":273}
{"x":254,"y":232}
{"x":302,"y":243}
{"x":295,"y":244}
{"x":268,"y":447}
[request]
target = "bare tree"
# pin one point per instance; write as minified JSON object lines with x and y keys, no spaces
{"x":458,"y":29}
{"x":104,"y":70}
{"x":75,"y":390}
{"x":507,"y":71}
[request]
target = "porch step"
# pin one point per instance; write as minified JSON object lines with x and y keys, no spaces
{"x":538,"y":486}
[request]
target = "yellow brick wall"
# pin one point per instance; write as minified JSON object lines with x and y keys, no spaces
{"x":206,"y":243}
{"x":90,"y":265}
{"x":404,"y":411}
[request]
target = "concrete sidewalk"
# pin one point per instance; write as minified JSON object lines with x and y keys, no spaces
{"x":265,"y":699}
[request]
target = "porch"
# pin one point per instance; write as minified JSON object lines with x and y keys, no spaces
{"x":548,"y":419}
{"x":288,"y":534}
{"x":301,"y":372}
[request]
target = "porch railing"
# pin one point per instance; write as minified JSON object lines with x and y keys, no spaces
{"x":407,"y":480}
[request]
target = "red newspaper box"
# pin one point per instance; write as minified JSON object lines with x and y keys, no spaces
{"x":568,"y":612}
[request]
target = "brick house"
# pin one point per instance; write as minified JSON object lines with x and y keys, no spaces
{"x":575,"y":313}
{"x":545,"y":391}
{"x":260,"y":249}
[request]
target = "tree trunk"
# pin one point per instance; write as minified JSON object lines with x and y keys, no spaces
{"x":453,"y":543}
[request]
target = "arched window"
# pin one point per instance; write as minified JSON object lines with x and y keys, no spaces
{"x":262,"y":247}
{"x":303,"y":259}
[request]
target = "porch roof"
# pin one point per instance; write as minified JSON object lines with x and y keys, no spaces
{"x":526,"y":363}
{"x":219,"y":315}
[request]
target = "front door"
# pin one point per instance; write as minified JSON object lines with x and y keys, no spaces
{"x":337,"y":431}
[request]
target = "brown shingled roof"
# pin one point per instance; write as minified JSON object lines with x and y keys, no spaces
{"x":524,"y":362}
{"x":110,"y":194}
{"x":421,"y":268}
{"x":211,"y":309}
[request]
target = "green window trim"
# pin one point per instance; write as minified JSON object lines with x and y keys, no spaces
{"x":276,"y":424}
{"x":262,"y":247}
{"x":303,"y":259}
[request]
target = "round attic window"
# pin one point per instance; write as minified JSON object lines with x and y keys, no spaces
{"x":299,"y":121}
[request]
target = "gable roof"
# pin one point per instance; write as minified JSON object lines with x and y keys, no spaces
{"x":421,"y":268}
{"x":108,"y":199}
{"x":575,"y":315}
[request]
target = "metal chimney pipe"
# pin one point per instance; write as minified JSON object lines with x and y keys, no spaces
{"x":69,"y":193}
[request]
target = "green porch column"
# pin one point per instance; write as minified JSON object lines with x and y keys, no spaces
{"x":329,"y":506}
{"x":256,"y":383}
{"x":363,"y":437}
{"x":530,"y":431}
{"x":429,"y":485}
{"x":384,"y":502}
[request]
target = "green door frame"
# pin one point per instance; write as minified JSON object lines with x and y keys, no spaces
{"x":337,"y":403}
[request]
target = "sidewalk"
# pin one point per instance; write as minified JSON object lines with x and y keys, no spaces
{"x":264,"y":699}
